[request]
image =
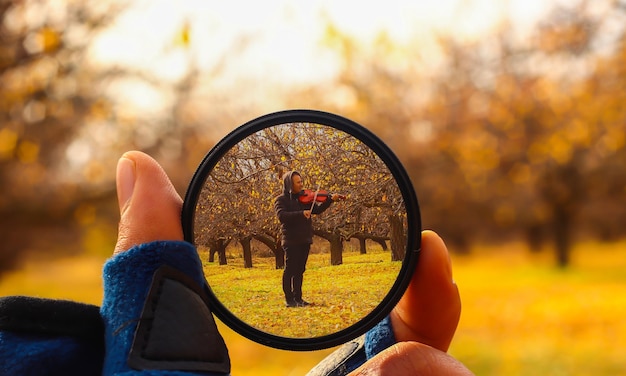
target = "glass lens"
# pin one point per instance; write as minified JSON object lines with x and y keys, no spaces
{"x":301,"y":229}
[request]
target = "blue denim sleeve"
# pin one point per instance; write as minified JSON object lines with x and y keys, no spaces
{"x":379,"y":338}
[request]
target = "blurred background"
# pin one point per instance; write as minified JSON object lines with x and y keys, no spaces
{"x":508,"y":115}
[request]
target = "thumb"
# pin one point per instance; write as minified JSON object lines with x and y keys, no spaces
{"x":150,"y":207}
{"x":430,"y":309}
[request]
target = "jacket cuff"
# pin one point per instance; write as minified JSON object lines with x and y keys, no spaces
{"x":379,"y":338}
{"x":156,"y":315}
{"x":353,"y":354}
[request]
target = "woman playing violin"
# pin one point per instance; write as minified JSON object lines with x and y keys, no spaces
{"x":296,"y":233}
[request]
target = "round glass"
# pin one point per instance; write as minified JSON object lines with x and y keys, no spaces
{"x":307,"y":226}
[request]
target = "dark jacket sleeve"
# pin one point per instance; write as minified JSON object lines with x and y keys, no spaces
{"x":50,"y":337}
{"x":284,"y":214}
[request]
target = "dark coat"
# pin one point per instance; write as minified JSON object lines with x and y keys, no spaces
{"x":295,"y":227}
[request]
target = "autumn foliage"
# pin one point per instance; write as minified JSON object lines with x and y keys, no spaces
{"x":236,"y":203}
{"x":504,"y":137}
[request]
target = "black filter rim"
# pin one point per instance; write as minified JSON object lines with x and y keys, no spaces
{"x":406,"y":189}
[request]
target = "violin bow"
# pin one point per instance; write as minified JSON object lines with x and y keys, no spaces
{"x":315,"y":197}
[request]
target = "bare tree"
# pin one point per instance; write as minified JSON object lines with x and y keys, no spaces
{"x":237,"y":199}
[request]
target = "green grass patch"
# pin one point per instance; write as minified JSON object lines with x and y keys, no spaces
{"x":341,"y":295}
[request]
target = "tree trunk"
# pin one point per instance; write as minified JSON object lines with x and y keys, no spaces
{"x":247,"y":251}
{"x":212,"y":251}
{"x":362,"y":248}
{"x":362,"y":238}
{"x":563,"y":190}
{"x":222,"y":253}
{"x":336,"y":245}
{"x":274,"y":245}
{"x":562,"y":228}
{"x":336,"y":249}
{"x":381,"y":241}
{"x":280,"y":256}
{"x":218,"y":246}
{"x":535,"y":236}
{"x":397,"y":238}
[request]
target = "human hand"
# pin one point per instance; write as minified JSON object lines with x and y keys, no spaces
{"x":150,"y":207}
{"x":307,"y":214}
{"x":138,"y":310}
{"x":424,"y":321}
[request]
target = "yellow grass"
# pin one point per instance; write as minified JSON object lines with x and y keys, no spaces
{"x":78,"y":278}
{"x":341,"y":295}
{"x":521,"y":315}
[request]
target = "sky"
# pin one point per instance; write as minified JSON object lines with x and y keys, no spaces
{"x":283,"y":37}
{"x":275,"y":42}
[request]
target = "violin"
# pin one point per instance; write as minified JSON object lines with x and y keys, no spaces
{"x":307,"y":196}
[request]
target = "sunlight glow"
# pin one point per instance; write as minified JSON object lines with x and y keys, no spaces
{"x":281,"y":44}
{"x":281,"y":40}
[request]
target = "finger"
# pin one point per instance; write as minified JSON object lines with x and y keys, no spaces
{"x":430,"y":309}
{"x":412,"y":358}
{"x":150,"y":207}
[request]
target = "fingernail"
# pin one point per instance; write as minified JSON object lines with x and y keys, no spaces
{"x":125,"y":181}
